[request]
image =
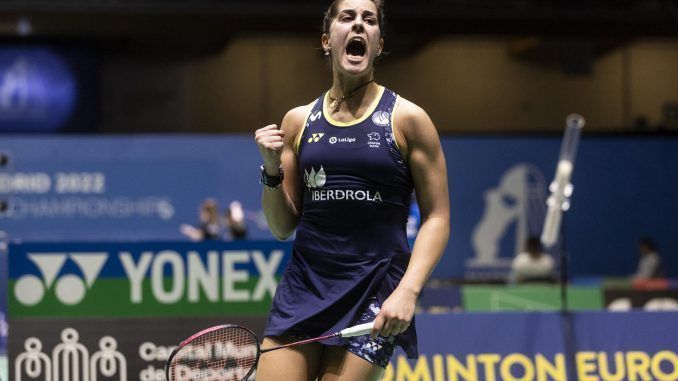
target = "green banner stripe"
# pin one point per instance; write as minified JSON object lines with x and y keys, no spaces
{"x":529,"y":298}
{"x":112,"y":298}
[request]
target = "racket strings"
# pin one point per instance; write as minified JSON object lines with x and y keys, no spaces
{"x":223,"y":354}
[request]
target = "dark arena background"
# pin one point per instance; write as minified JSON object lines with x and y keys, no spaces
{"x":121,"y":120}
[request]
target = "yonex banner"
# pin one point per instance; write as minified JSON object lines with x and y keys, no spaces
{"x":586,"y":346}
{"x":144,"y":279}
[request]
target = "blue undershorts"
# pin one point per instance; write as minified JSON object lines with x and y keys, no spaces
{"x":377,"y":351}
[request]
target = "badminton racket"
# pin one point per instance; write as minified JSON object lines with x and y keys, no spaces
{"x":230,"y":353}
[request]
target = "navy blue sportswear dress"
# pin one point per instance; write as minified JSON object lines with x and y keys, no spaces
{"x":351,"y":242}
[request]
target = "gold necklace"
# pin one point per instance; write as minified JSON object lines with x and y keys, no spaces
{"x":336,"y":102}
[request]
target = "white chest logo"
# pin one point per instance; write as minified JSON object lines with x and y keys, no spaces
{"x":381,"y":118}
{"x":374,"y":140}
{"x":315,"y":179}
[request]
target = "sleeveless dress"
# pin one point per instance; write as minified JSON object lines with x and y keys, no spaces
{"x":351,"y":243}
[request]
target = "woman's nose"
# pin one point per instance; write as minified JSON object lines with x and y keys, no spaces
{"x":358,"y":24}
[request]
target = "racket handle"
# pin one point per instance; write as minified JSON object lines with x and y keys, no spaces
{"x":357,"y":330}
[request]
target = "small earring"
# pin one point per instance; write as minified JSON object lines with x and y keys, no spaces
{"x":327,"y":52}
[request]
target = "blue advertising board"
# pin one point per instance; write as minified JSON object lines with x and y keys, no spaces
{"x":586,"y":346}
{"x":624,"y":189}
{"x":121,"y":188}
{"x":144,"y":187}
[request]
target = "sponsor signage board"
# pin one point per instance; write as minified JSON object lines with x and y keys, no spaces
{"x":144,"y":279}
{"x":579,"y":346}
{"x":103,"y":349}
{"x":471,"y":347}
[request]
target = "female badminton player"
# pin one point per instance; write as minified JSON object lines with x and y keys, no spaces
{"x":340,"y":172}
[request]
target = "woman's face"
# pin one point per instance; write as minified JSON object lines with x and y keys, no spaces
{"x":354,"y":40}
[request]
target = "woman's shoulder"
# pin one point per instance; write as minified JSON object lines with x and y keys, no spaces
{"x":296,"y":117}
{"x":409,"y":112}
{"x":411,"y":119}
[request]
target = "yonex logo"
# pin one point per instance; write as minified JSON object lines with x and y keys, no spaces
{"x":315,"y":179}
{"x":315,"y":138}
{"x":69,"y":289}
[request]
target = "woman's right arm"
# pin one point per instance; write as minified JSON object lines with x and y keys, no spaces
{"x":282,"y":205}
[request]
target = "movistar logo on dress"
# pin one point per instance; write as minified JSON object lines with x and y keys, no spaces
{"x":315,"y":116}
{"x":317,"y":179}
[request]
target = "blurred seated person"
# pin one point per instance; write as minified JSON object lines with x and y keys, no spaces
{"x":235,"y":220}
{"x":532,"y":265}
{"x":209,"y":227}
{"x":650,"y":263}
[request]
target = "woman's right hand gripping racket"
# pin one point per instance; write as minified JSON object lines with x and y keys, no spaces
{"x":230,"y":353}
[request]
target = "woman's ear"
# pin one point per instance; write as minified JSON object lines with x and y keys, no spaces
{"x":325,"y":41}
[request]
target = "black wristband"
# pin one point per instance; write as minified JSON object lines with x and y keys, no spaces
{"x":271,"y":182}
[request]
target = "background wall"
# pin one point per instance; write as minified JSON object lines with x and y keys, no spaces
{"x":467,"y":84}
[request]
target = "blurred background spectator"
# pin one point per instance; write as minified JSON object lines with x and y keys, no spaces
{"x":532,"y":264}
{"x":209,"y":227}
{"x":649,"y":261}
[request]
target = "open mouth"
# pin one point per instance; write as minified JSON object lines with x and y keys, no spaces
{"x":356,"y":48}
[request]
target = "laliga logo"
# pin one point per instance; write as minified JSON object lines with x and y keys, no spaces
{"x":69,"y":289}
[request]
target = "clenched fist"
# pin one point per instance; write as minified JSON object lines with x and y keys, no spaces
{"x":270,"y":143}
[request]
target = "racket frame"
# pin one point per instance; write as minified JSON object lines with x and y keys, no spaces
{"x":357,"y":330}
{"x":205,"y":332}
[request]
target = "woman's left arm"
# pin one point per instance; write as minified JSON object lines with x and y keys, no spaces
{"x":419,"y":142}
